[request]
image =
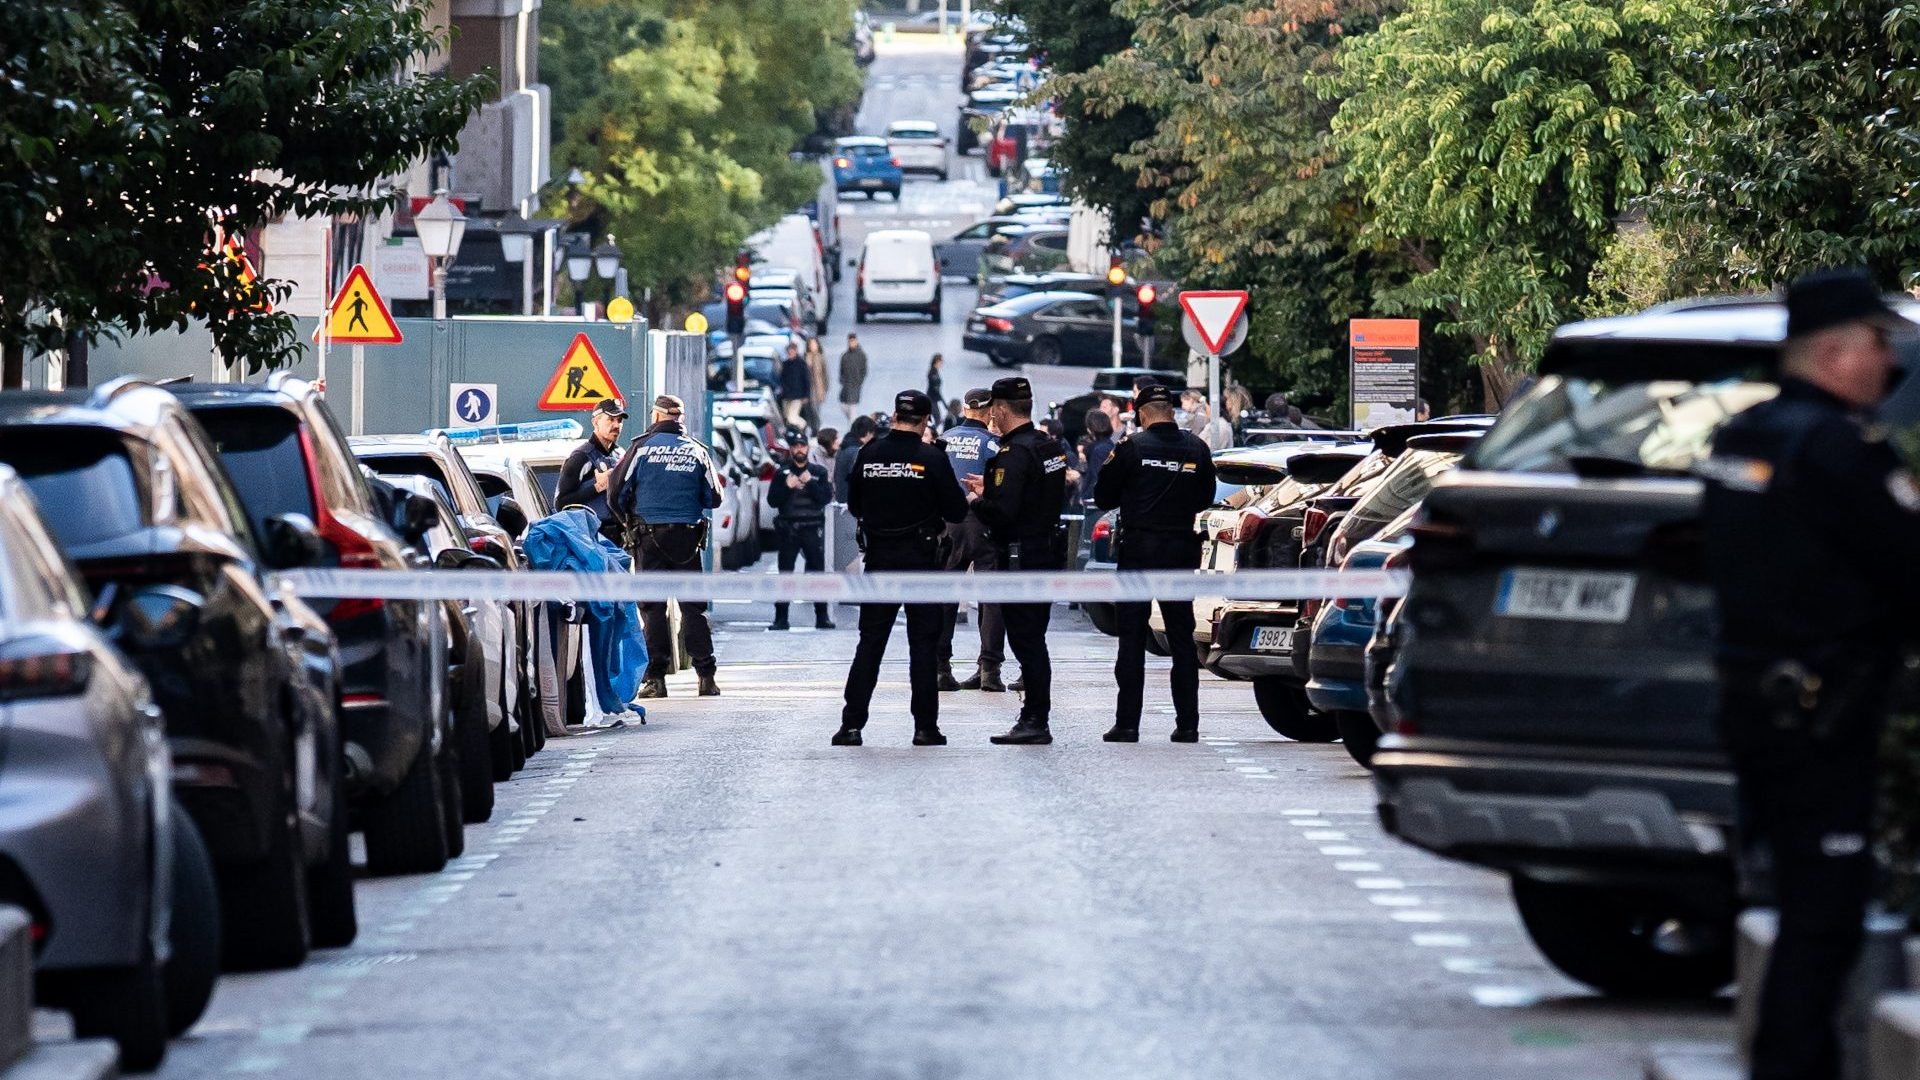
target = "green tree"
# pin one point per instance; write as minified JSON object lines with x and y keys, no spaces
{"x":208,"y":117}
{"x":1496,"y":142}
{"x":1802,"y":148}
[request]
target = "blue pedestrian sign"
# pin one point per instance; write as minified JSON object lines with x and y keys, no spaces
{"x":472,"y":404}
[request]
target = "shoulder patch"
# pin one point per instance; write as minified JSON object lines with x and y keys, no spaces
{"x":1736,"y":472}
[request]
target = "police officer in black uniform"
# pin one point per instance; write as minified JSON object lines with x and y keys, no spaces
{"x":1159,"y":479}
{"x":970,"y":445}
{"x":1020,"y":498}
{"x":801,"y":491}
{"x":665,"y":486}
{"x":903,"y":494}
{"x":1810,"y":632}
{"x":585,"y":477}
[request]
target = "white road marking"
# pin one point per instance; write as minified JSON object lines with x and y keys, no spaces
{"x":1468,"y":965}
{"x":1435,"y":939}
{"x":1300,"y":813}
{"x":1324,"y":834}
{"x":1506,"y":997}
{"x":257,"y":1063}
{"x":1342,"y":850}
{"x":1379,"y":883}
{"x":1395,"y":900}
{"x":1357,"y":867}
{"x":1418,"y":916}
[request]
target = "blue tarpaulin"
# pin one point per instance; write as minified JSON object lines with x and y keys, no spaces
{"x":570,"y":540}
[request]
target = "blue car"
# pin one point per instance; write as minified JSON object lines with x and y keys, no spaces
{"x":863,"y":163}
{"x":1340,"y":633}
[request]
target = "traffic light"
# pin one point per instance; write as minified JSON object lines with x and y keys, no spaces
{"x":1144,"y":322}
{"x":743,"y":268}
{"x":1146,"y":295}
{"x":1116,"y":278}
{"x":736,"y":308}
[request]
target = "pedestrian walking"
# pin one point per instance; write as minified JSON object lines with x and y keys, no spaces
{"x":1095,"y":446}
{"x":1212,"y":430}
{"x":1792,"y":484}
{"x":903,"y":494}
{"x":800,"y":493}
{"x":970,"y":445}
{"x":1019,"y":498}
{"x":826,"y":443}
{"x":853,"y":376}
{"x":1159,"y":480}
{"x":859,"y":434}
{"x":587,"y":473}
{"x":934,"y":391}
{"x":816,"y":358}
{"x":664,"y":490}
{"x":796,"y":388}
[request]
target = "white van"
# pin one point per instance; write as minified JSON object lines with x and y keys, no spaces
{"x":794,"y":242}
{"x":897,"y":273}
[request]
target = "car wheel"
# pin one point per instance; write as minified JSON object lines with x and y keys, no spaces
{"x":1157,"y":642}
{"x":1103,"y":618}
{"x":193,"y":934}
{"x":943,"y":176}
{"x":1046,"y":351}
{"x":577,"y":694}
{"x":330,"y":885}
{"x":500,"y":744}
{"x":895,"y":192}
{"x":1284,"y":706}
{"x":859,"y":311}
{"x":476,"y":750}
{"x":451,"y":804}
{"x":1358,"y":734}
{"x":934,"y":310}
{"x":1627,"y":942}
{"x":127,"y":1005}
{"x":1000,"y":361}
{"x":264,"y":904}
{"x":403,"y":831}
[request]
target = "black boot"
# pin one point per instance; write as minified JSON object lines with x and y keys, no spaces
{"x":652,"y":688}
{"x":1026,"y":731}
{"x":1186,"y":732}
{"x":709,"y":688}
{"x":990,"y":679}
{"x":1019,"y":685}
{"x":846,"y":736}
{"x":822,"y":617}
{"x":928,"y":737}
{"x":946,"y":681}
{"x":1122,"y":733}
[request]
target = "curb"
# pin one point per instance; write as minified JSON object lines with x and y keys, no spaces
{"x":20,"y":1057}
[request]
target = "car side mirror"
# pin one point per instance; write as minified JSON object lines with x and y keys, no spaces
{"x":511,"y":517}
{"x":483,"y":562}
{"x":159,"y":617}
{"x":289,"y":540}
{"x":490,"y":548}
{"x":452,"y":559}
{"x":418,"y":516}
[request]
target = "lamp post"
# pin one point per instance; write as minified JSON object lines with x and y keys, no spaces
{"x":579,"y":269}
{"x":516,"y":246}
{"x":441,"y":226}
{"x":606,"y":263}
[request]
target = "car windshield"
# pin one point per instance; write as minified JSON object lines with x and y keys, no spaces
{"x":422,"y":465}
{"x":1405,"y":484}
{"x":83,"y":479}
{"x":261,"y":451}
{"x":1569,"y":424}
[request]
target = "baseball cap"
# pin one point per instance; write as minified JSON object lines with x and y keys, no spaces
{"x":667,"y":403}
{"x":1013,"y":389}
{"x":977,"y":398}
{"x":912,"y":405}
{"x":1827,"y":298}
{"x":1152,"y":394}
{"x":611,"y":407}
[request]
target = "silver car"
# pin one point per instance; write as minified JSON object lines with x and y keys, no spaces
{"x":113,"y":874}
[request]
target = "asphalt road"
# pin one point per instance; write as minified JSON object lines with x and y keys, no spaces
{"x":721,"y":894}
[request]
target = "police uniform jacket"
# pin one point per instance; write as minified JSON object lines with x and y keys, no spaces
{"x":903,"y":489}
{"x":1158,"y":479}
{"x":575,"y":487}
{"x":668,"y":478}
{"x":970,"y":445}
{"x":806,"y":504}
{"x":1026,"y":484}
{"x":1812,"y":522}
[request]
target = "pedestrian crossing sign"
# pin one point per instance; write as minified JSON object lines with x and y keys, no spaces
{"x":358,"y":316}
{"x":581,"y":381}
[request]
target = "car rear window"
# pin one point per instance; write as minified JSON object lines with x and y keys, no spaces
{"x":1570,"y":424}
{"x":913,"y":133}
{"x":867,"y":152}
{"x":261,"y":451}
{"x":1405,"y":484}
{"x":84,"y":480}
{"x":411,"y":465}
{"x":549,"y":477}
{"x":492,"y":486}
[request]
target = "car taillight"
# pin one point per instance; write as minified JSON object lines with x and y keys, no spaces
{"x":1309,"y":608}
{"x":1246,"y":530}
{"x":895,"y":162}
{"x":1311,"y":524}
{"x":1102,"y":529}
{"x":477,"y":544}
{"x":766,"y":471}
{"x":1337,"y":554}
{"x":60,"y":673}
{"x":1397,"y":560}
{"x":842,"y":163}
{"x":999,"y":324}
{"x":355,"y":552}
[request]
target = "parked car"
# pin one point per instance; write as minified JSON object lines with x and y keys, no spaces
{"x":759,"y":365}
{"x":863,"y":163}
{"x":793,"y":253}
{"x":1017,"y":285}
{"x":734,"y":534}
{"x":897,"y":273}
{"x":1557,"y":694}
{"x":959,"y":254}
{"x":101,"y":857}
{"x":1049,"y":328}
{"x":287,"y":456}
{"x":1023,"y":249}
{"x":135,"y":492}
{"x":918,"y":146}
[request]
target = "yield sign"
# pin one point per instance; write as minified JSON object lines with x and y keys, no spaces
{"x":581,"y":381}
{"x":358,"y":316}
{"x":1214,"y":314}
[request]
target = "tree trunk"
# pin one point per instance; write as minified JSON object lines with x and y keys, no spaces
{"x":13,"y":366}
{"x":76,"y":360}
{"x":1500,"y":373}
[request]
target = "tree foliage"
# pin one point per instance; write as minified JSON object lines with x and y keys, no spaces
{"x":683,"y":114}
{"x":142,"y":130}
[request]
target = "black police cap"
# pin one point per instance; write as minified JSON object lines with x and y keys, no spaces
{"x":611,"y":407}
{"x":1827,"y":298}
{"x":1013,"y":389}
{"x":1152,"y":394}
{"x":912,"y":405}
{"x":977,"y":398}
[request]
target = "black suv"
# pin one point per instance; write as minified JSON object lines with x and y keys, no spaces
{"x":1555,"y":691}
{"x":287,"y":456}
{"x":135,"y":493}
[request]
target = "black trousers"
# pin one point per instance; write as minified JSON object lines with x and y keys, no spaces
{"x":802,"y":541}
{"x":876,"y":627}
{"x":1808,"y":803}
{"x":972,"y":551}
{"x":673,"y":547}
{"x":1157,"y":551}
{"x":1027,"y":637}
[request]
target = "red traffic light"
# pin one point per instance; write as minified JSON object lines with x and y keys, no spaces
{"x":1147,"y":294}
{"x":736,"y":292}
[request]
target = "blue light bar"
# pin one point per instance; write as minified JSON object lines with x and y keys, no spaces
{"x":531,"y":431}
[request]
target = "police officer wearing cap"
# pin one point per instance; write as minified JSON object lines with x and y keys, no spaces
{"x":1158,"y":479}
{"x":1020,"y":498}
{"x":1810,"y":633}
{"x":586,"y":476}
{"x":662,"y":492}
{"x":970,"y":445}
{"x":903,"y":495}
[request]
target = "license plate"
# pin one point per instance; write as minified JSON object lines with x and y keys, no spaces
{"x":1565,"y":595}
{"x":1273,"y":639}
{"x":869,"y":183}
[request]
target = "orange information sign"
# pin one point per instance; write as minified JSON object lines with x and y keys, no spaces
{"x":1384,"y":382}
{"x":581,"y":381}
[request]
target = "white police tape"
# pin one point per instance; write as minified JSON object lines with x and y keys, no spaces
{"x":1034,"y":586}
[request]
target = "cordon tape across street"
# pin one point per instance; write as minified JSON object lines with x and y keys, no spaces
{"x":1013,"y":587}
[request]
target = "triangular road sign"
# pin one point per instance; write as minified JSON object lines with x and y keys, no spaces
{"x":1213,"y":314}
{"x":581,"y":381}
{"x":358,"y":316}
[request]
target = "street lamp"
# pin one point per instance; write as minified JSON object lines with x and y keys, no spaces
{"x":441,"y":226}
{"x":515,"y":244}
{"x":606,"y":259}
{"x":579,"y":265}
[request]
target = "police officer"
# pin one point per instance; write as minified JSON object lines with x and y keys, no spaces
{"x":586,"y":475}
{"x":903,"y":494}
{"x":1158,"y":479}
{"x":663,"y":492}
{"x":1019,"y":498}
{"x":800,"y":492}
{"x":1792,"y":485}
{"x":970,"y":444}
